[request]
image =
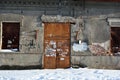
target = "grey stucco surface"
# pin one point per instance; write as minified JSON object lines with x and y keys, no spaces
{"x":95,"y":29}
{"x":26,"y":59}
{"x":104,"y":62}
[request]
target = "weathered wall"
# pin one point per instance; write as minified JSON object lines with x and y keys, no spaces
{"x":104,"y":62}
{"x":7,"y":18}
{"x":90,"y":30}
{"x":29,"y":54}
{"x":90,"y":21}
{"x":97,"y":30}
{"x":20,"y":59}
{"x":28,"y":27}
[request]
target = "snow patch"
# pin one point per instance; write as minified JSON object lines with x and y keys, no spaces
{"x":60,"y":74}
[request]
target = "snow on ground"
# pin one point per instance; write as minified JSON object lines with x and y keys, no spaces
{"x":60,"y":74}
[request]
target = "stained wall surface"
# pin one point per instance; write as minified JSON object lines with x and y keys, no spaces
{"x":88,"y":23}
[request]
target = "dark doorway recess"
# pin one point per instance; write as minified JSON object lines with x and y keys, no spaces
{"x":10,"y":35}
{"x":115,"y":39}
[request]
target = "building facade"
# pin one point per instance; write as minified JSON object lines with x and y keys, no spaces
{"x":29,"y":29}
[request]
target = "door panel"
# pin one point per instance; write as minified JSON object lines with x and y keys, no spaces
{"x":57,"y":45}
{"x":49,"y":62}
{"x":53,"y":30}
{"x":10,"y":35}
{"x":50,"y":54}
{"x":63,"y":62}
{"x":63,"y":53}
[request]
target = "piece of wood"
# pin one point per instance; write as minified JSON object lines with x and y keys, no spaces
{"x":49,"y":62}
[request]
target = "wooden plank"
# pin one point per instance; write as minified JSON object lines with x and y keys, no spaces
{"x":57,"y":30}
{"x":63,"y":53}
{"x":63,"y":62}
{"x":49,"y":62}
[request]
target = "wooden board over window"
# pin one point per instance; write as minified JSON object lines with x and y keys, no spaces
{"x":57,"y":45}
{"x":10,"y":35}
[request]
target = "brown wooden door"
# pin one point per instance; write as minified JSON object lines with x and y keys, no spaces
{"x":10,"y":35}
{"x":57,"y":45}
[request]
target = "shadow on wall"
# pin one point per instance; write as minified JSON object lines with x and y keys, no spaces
{"x":80,"y":65}
{"x":15,"y":67}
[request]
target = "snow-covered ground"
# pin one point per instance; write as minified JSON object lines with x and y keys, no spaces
{"x":60,"y":74}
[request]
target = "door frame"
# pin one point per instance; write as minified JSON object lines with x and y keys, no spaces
{"x":43,"y":23}
{"x":2,"y":30}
